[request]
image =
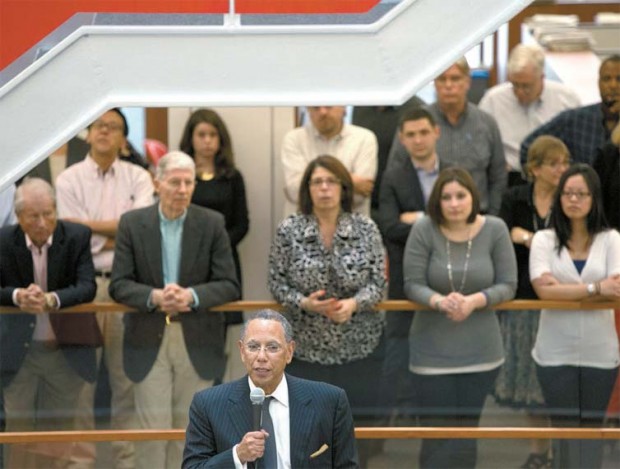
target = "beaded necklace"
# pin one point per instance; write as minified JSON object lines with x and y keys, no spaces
{"x":465,"y":267}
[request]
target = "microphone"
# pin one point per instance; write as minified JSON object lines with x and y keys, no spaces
{"x":257,"y":396}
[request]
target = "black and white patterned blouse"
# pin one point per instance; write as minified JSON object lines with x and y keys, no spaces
{"x":299,"y":264}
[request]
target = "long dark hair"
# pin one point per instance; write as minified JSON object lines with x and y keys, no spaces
{"x":595,"y":220}
{"x":224,"y":160}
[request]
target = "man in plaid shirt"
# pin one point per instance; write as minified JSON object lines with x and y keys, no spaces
{"x":584,"y":129}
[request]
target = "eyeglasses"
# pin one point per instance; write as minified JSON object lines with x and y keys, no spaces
{"x":578,"y":195}
{"x":525,"y":87}
{"x":254,"y":348}
{"x":111,"y":126}
{"x":330,"y":182}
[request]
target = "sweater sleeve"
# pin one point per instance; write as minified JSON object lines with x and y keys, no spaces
{"x":505,"y":266}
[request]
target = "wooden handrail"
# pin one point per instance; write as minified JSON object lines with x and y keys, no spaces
{"x":363,"y":433}
{"x":391,"y":305}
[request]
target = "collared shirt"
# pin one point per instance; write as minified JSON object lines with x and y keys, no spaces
{"x":354,"y":146}
{"x":473,"y":143}
{"x":171,"y":243}
{"x":427,"y":178}
{"x":280,"y":415}
{"x":516,"y":120}
{"x":582,"y":129}
{"x":43,"y":328}
{"x":171,"y":246}
{"x":83,"y":191}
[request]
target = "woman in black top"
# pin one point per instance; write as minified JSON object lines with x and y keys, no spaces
{"x":219,"y":185}
{"x":527,"y":209}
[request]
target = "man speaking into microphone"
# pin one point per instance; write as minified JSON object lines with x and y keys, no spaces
{"x":269,"y":419}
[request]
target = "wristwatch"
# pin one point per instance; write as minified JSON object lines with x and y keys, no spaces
{"x":50,"y":302}
{"x":591,"y":289}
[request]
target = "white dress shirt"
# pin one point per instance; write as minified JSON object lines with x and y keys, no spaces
{"x":516,"y":121}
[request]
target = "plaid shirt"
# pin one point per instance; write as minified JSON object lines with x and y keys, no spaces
{"x":582,"y":130}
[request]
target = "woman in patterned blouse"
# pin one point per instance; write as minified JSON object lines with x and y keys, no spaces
{"x":326,"y":268}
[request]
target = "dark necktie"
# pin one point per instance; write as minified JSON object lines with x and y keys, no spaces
{"x":270,"y":458}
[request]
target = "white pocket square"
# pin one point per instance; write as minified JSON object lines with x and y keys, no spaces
{"x":319,"y":451}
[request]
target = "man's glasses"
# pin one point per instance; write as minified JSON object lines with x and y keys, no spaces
{"x":110,"y":126}
{"x":254,"y":348}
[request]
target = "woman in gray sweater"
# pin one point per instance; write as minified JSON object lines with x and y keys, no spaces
{"x":459,"y":263}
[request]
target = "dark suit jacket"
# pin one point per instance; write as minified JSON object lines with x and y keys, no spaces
{"x":319,"y":414}
{"x":400,"y":192}
{"x":206,"y":265}
{"x":70,"y":273}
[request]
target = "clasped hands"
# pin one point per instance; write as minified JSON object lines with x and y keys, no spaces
{"x":339,"y":311}
{"x":32,"y":299}
{"x":172,"y":299}
{"x":457,"y":306}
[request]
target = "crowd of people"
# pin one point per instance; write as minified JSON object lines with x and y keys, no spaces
{"x":473,"y":205}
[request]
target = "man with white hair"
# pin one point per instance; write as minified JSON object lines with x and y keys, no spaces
{"x":172,"y":262}
{"x":46,"y":357}
{"x":525,"y":102}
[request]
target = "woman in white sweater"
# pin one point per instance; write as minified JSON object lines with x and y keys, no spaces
{"x":576,"y":352}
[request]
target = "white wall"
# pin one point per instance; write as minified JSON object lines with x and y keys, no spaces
{"x":256,"y":133}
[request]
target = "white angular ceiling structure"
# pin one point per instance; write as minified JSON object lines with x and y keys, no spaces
{"x":233,"y":64}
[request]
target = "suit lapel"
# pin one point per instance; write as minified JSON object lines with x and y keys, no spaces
{"x":412,"y":175}
{"x":23,"y":258}
{"x":54,"y":259}
{"x":240,"y":408}
{"x":192,"y":239}
{"x":301,"y":416}
{"x":150,"y":237}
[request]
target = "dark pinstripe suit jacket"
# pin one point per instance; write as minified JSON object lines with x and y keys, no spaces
{"x":319,"y":414}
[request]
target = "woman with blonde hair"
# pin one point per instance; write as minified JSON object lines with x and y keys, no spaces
{"x":527,"y":209}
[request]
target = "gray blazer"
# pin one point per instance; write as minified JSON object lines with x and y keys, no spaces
{"x":206,"y":265}
{"x":319,"y":415}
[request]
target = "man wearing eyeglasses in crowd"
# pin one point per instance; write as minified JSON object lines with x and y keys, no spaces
{"x":328,"y":134}
{"x":312,"y":422}
{"x":469,"y":137}
{"x":96,"y":192}
{"x":525,"y":102}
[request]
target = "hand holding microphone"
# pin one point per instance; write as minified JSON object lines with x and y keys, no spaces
{"x":252,"y":446}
